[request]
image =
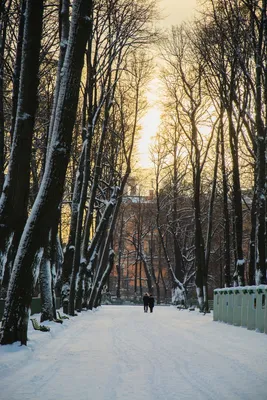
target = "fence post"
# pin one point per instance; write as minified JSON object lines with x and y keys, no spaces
{"x":251,"y":308}
{"x":216,"y":305}
{"x":230,"y":309}
{"x":260,"y":307}
{"x":237,"y":306}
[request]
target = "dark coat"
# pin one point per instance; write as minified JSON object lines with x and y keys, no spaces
{"x":151,"y":301}
{"x":146,"y":300}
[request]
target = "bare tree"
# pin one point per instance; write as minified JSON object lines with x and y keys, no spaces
{"x":14,"y":198}
{"x":18,"y":301}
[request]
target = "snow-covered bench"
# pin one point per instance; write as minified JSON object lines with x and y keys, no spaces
{"x":39,"y":327}
{"x":61,"y":316}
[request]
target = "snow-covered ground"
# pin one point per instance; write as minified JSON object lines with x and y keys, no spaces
{"x":120,"y":353}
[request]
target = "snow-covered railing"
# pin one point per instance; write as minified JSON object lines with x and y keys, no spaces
{"x":242,"y":306}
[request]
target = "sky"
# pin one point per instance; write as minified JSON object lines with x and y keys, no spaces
{"x":177,"y":11}
{"x":122,"y":353}
{"x":174,"y":12}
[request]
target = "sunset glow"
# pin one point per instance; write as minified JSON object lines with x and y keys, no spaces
{"x":150,"y":123}
{"x":174,"y":12}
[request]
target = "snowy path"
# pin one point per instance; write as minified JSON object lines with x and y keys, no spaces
{"x":120,"y":353}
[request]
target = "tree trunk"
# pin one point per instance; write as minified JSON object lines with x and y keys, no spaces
{"x":179,"y":264}
{"x":48,"y":273}
{"x":14,"y":198}
{"x":69,"y":251}
{"x":17,"y":69}
{"x":118,"y":291}
{"x":199,"y":247}
{"x":45,"y":277}
{"x":226,"y":218}
{"x":63,"y":36}
{"x":116,"y":200}
{"x":211,"y":205}
{"x":104,"y":278}
{"x":3,"y":31}
{"x":260,"y":273}
{"x":239,"y":275}
{"x":15,"y":321}
{"x":92,"y":257}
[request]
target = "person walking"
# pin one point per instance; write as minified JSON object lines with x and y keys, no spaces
{"x":151,"y":302}
{"x":145,"y":301}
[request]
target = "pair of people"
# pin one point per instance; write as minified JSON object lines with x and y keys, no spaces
{"x":149,"y":302}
